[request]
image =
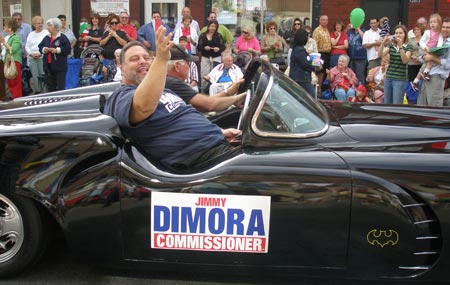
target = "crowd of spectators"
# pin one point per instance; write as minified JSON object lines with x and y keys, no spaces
{"x":388,"y":63}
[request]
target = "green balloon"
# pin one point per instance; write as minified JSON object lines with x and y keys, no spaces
{"x":357,"y":17}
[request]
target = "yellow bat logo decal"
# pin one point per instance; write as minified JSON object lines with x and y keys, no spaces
{"x":382,"y":237}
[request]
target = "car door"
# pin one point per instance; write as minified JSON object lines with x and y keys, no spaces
{"x":304,"y":197}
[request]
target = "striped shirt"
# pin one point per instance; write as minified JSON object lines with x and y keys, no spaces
{"x":193,"y":73}
{"x":397,"y":70}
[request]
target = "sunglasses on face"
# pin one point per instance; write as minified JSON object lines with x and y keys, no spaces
{"x":271,"y":28}
{"x":297,"y":24}
{"x":113,"y":23}
{"x":246,"y":33}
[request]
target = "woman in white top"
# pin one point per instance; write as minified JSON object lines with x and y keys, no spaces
{"x":34,"y":56}
{"x":189,"y":32}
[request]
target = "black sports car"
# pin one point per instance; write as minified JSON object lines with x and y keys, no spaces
{"x":319,"y":189}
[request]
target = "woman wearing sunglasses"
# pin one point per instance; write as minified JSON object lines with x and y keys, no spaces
{"x":248,"y":42}
{"x":296,"y":25}
{"x":113,"y":38}
{"x":273,"y":45}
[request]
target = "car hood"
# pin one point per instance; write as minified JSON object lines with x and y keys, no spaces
{"x":388,"y":123}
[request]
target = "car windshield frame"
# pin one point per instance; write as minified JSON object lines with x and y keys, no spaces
{"x":300,"y":116}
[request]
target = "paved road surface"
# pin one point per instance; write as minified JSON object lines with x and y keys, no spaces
{"x":57,"y":267}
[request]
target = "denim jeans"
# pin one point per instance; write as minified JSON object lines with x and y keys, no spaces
{"x":394,"y":91}
{"x":334,"y":58}
{"x":37,"y":70}
{"x":359,"y":68}
{"x":341,"y":95}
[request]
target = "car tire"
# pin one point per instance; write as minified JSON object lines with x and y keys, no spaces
{"x":23,"y":238}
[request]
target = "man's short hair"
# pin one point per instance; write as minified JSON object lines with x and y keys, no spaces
{"x":17,"y":14}
{"x":61,"y":16}
{"x":183,"y":38}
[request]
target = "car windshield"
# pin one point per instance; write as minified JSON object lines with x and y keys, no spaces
{"x":286,"y":110}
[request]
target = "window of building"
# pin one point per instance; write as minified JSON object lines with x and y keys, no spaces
{"x":27,"y":8}
{"x":9,"y":7}
{"x":237,"y":13}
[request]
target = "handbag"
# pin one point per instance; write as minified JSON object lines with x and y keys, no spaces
{"x":9,"y":68}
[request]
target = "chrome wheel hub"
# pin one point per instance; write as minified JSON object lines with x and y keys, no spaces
{"x":11,"y":229}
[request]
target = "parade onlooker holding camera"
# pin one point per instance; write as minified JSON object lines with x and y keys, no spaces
{"x":397,"y":73}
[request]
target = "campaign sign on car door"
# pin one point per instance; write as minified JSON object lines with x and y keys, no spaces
{"x":207,"y":222}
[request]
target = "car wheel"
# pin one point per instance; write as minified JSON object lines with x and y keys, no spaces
{"x":22,"y":235}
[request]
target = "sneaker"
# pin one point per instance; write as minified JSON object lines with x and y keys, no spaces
{"x":426,"y":76}
{"x":414,"y":86}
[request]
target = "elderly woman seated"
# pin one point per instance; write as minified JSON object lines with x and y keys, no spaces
{"x":375,"y":80}
{"x":223,"y":75}
{"x":342,"y":79}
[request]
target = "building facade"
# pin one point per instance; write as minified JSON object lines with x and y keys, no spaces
{"x":233,"y":13}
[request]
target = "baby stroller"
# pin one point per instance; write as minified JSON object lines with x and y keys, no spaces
{"x":243,"y":59}
{"x":91,"y":67}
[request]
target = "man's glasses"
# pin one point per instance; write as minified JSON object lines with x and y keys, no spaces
{"x":113,"y":23}
{"x":124,"y":17}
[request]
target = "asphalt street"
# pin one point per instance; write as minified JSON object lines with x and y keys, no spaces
{"x":57,"y":267}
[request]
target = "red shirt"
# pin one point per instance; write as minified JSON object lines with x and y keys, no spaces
{"x":339,"y":43}
{"x":49,"y":55}
{"x":130,"y":30}
{"x":187,"y":32}
{"x":357,"y":100}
